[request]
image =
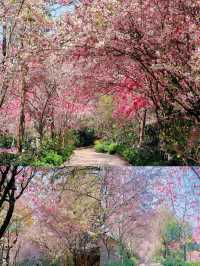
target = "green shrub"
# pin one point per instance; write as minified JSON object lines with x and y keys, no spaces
{"x":130,"y":155}
{"x":8,"y":158}
{"x":193,"y":264}
{"x":112,"y":148}
{"x":101,"y":146}
{"x":173,"y":262}
{"x":39,"y":262}
{"x":7,"y":141}
{"x":178,"y":262}
{"x":49,"y":158}
{"x":135,"y":156}
{"x":52,"y":153}
{"x":148,"y":156}
{"x":141,"y":156}
{"x":23,"y":159}
{"x":50,"y":144}
{"x":66,"y":152}
{"x":106,"y":146}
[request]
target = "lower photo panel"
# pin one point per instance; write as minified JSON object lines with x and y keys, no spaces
{"x":100,"y":216}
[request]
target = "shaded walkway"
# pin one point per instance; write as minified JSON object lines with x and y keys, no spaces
{"x":88,"y":156}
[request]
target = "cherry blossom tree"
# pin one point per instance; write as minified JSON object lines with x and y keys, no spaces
{"x":152,"y":54}
{"x":145,"y":63}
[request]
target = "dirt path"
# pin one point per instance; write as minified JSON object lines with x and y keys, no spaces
{"x":88,"y":157}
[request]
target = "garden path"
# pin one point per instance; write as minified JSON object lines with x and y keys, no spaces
{"x":89,"y":157}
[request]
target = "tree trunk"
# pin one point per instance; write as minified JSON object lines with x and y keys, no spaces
{"x":4,"y":42}
{"x":7,"y":259}
{"x":4,"y":86}
{"x":184,"y":252}
{"x":1,"y":254}
{"x":9,"y":213}
{"x":16,"y":256}
{"x":41,"y":131}
{"x":165,"y":252}
{"x":21,"y":129}
{"x":9,"y":195}
{"x":142,"y":128}
{"x":52,"y":125}
{"x":75,"y":260}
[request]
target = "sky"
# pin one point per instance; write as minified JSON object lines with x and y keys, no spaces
{"x":58,"y":10}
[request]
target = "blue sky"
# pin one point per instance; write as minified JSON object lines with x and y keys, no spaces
{"x":58,"y":10}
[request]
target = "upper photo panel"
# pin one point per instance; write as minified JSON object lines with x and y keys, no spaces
{"x":100,"y":82}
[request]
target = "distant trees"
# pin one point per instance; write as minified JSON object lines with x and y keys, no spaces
{"x":176,"y":238}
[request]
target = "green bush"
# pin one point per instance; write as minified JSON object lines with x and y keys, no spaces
{"x":148,"y":156}
{"x":8,"y":158}
{"x":23,"y":159}
{"x":129,"y":154}
{"x":7,"y":141}
{"x":52,"y":153}
{"x":49,"y":158}
{"x":50,"y":144}
{"x":135,"y":156}
{"x":112,"y":148}
{"x":42,"y":262}
{"x":66,"y":152}
{"x":173,"y":262}
{"x":101,"y":146}
{"x":141,"y":156}
{"x":106,"y":147}
{"x":193,"y":264}
{"x":179,"y":262}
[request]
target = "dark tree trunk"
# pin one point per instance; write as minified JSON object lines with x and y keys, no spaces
{"x":184,"y":252}
{"x":8,"y":195}
{"x":9,"y":212}
{"x":4,"y":53}
{"x":21,"y":130}
{"x":4,"y":42}
{"x":142,"y":128}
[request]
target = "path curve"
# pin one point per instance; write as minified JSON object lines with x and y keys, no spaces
{"x":89,"y":157}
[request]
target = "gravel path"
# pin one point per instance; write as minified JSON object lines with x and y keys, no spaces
{"x":88,"y":157}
